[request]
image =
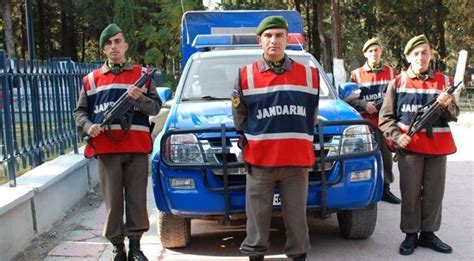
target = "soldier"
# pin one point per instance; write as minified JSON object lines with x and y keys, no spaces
{"x":121,"y":154}
{"x":277,"y":149}
{"x":372,"y":79}
{"x":422,"y":158}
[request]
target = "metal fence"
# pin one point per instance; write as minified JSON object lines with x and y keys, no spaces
{"x":36,"y":104}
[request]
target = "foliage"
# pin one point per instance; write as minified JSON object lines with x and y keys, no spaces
{"x":72,"y":28}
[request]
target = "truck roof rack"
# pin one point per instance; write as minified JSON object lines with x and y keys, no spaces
{"x":295,"y":42}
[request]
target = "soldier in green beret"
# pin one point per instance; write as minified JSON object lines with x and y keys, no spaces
{"x":122,"y":149}
{"x":288,"y":170}
{"x":422,"y":156}
{"x":372,"y":79}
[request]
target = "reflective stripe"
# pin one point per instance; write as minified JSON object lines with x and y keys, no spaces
{"x":276,"y":88}
{"x":357,"y":74}
{"x":403,"y":83}
{"x":446,"y":82}
{"x":133,"y":127}
{"x":92,"y":86}
{"x":309,"y":77}
{"x":435,"y":129}
{"x":367,"y":84}
{"x":276,"y":136}
{"x":250,"y":76}
{"x":419,"y":91}
{"x":107,"y":87}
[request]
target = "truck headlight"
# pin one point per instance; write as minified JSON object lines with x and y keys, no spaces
{"x":360,"y":175}
{"x":357,"y":138}
{"x":184,"y":148}
{"x":182,"y":183}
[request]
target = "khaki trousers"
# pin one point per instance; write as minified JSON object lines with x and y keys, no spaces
{"x":387,"y":161}
{"x":422,"y":181}
{"x":124,"y":177}
{"x":293,"y":184}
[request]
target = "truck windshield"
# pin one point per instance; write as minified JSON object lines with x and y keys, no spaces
{"x":213,"y":78}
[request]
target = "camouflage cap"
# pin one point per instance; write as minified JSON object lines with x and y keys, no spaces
{"x":109,"y":31}
{"x":414,"y":42}
{"x":271,"y":22}
{"x":370,"y":42}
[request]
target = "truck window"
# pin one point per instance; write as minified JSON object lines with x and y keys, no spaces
{"x":215,"y":76}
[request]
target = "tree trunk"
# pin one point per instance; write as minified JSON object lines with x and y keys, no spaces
{"x":40,"y":33}
{"x":308,"y":23}
{"x":336,"y":29}
{"x":439,"y":16}
{"x":316,"y":47}
{"x":8,"y":27}
{"x":325,"y":43}
{"x":298,"y":5}
{"x":339,"y":71}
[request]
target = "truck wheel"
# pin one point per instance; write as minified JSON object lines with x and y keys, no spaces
{"x":358,"y":223}
{"x":174,"y":231}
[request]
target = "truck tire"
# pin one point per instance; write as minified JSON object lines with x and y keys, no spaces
{"x":358,"y":223}
{"x":174,"y":231}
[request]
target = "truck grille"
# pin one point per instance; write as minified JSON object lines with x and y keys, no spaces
{"x":213,"y":154}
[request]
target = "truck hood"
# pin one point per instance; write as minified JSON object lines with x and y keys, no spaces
{"x":207,"y":114}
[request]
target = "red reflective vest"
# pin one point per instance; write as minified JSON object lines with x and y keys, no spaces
{"x":413,"y":93}
{"x":372,"y":86}
{"x":281,"y":109}
{"x":102,"y":91}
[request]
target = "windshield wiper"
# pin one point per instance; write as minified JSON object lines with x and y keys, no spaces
{"x":207,"y":98}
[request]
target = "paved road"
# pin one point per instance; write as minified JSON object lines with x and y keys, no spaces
{"x":81,"y":236}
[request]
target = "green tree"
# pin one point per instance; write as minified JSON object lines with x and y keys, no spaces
{"x":124,"y":17}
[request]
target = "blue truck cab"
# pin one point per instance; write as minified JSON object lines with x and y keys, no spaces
{"x":197,"y":167}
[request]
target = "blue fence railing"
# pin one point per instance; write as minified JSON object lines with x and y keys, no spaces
{"x":36,"y":104}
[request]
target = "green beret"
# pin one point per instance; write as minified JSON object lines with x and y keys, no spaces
{"x":109,"y":31}
{"x":271,"y":22}
{"x":414,"y":42}
{"x":370,"y":42}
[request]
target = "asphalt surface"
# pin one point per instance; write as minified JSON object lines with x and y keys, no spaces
{"x":80,"y":236}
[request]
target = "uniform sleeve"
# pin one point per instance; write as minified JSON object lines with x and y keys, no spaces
{"x":451,"y":112}
{"x":388,"y":115}
{"x":81,"y":114}
{"x":149,"y":104}
{"x":239,"y":108}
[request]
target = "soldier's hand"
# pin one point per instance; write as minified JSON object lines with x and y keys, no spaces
{"x":134,"y":92}
{"x":444,"y":99}
{"x":403,"y":140}
{"x":370,"y":108}
{"x":94,"y":130}
{"x":242,"y":142}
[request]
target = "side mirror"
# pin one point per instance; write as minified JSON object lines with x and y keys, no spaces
{"x":349,"y":91}
{"x":164,"y":93}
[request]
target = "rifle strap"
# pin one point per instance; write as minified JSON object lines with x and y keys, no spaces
{"x":112,"y":137}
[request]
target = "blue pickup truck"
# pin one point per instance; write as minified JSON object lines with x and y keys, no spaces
{"x":197,"y":167}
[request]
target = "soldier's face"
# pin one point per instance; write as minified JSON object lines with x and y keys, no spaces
{"x":373,"y":54}
{"x":273,"y":43}
{"x":419,"y":58}
{"x":115,"y":48}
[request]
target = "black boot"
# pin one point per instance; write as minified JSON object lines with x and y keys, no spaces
{"x":388,"y":196}
{"x":409,"y":244}
{"x":430,"y":240}
{"x":134,"y":253}
{"x":119,"y":252}
{"x":301,"y":257}
{"x":256,"y":257}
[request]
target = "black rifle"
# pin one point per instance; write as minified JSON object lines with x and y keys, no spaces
{"x":425,"y":117}
{"x":122,"y":107}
